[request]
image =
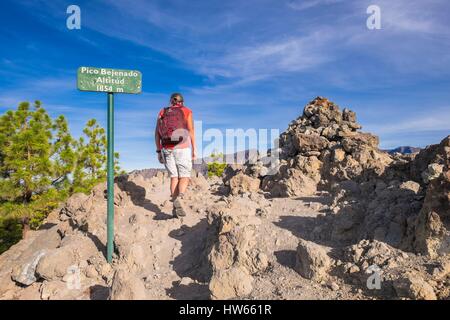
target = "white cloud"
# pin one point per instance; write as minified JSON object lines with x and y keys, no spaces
{"x":247,"y":40}
{"x":295,"y":54}
{"x":436,"y":119}
{"x":301,"y":5}
{"x":414,"y":16}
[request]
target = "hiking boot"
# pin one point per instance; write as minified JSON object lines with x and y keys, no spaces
{"x":174,"y":212}
{"x":179,"y":206}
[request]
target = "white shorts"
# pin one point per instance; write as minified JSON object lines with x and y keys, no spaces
{"x":178,"y":162}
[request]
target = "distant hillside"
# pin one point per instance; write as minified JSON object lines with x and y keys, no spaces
{"x":239,"y":157}
{"x":245,"y":155}
{"x":403,"y":150}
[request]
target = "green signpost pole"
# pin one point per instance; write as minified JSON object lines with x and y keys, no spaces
{"x":110,"y":178}
{"x":110,"y":81}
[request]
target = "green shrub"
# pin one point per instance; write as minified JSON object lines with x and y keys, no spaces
{"x":10,"y":232}
{"x":12,"y":215}
{"x":217,"y":166}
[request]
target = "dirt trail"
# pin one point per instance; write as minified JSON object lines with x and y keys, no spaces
{"x":177,"y":246}
{"x":170,"y":256}
{"x":170,"y":243}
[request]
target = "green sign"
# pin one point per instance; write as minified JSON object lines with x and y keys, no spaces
{"x":109,"y":80}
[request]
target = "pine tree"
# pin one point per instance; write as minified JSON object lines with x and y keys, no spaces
{"x":37,"y":154}
{"x":91,"y":158}
{"x":6,"y":132}
{"x":41,"y":164}
{"x":26,"y":161}
{"x":95,"y":150}
{"x":63,"y":154}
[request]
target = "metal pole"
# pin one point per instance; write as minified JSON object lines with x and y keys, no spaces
{"x":110,"y":178}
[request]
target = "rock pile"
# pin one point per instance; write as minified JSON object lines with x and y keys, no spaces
{"x":402,"y":200}
{"x":322,"y":146}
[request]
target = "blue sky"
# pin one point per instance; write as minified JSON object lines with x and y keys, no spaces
{"x":239,"y":64}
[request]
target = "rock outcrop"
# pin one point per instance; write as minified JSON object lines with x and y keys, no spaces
{"x":241,"y":183}
{"x":432,"y":226}
{"x":126,"y":286}
{"x":234,"y":257}
{"x":412,"y":286}
{"x":399,"y":206}
{"x":402,"y":200}
{"x":312,"y":261}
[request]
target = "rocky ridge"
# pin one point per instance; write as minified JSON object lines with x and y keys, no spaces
{"x":334,"y":218}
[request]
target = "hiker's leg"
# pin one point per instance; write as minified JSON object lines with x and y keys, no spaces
{"x":183,"y":184}
{"x":184,"y":166}
{"x":179,"y":207}
{"x":174,"y":187}
{"x":171,"y":166}
{"x":183,"y":159}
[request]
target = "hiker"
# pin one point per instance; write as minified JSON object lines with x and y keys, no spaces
{"x":175,"y":145}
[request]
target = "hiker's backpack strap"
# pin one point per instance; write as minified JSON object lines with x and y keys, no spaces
{"x":160,"y":119}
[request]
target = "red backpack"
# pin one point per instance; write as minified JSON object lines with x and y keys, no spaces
{"x":171,"y":120}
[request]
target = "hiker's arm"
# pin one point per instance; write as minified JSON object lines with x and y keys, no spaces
{"x":158,"y":144}
{"x":190,"y":125}
{"x":157,"y":138}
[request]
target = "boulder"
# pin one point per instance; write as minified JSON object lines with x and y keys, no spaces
{"x":56,"y":263}
{"x":230,"y":283}
{"x":372,"y":252}
{"x":233,"y":256}
{"x":233,"y":245}
{"x":198,"y":183}
{"x":78,"y":202}
{"x":25,"y":274}
{"x":358,"y":141}
{"x":309,"y":142}
{"x":127,"y":286}
{"x":410,"y":185}
{"x":348,"y":115}
{"x":312,"y":261}
{"x":59,"y":290}
{"x":433,"y":171}
{"x":241,"y":183}
{"x":18,"y":264}
{"x":294,"y":183}
{"x":129,"y":188}
{"x":412,"y":286}
{"x":338,"y":155}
